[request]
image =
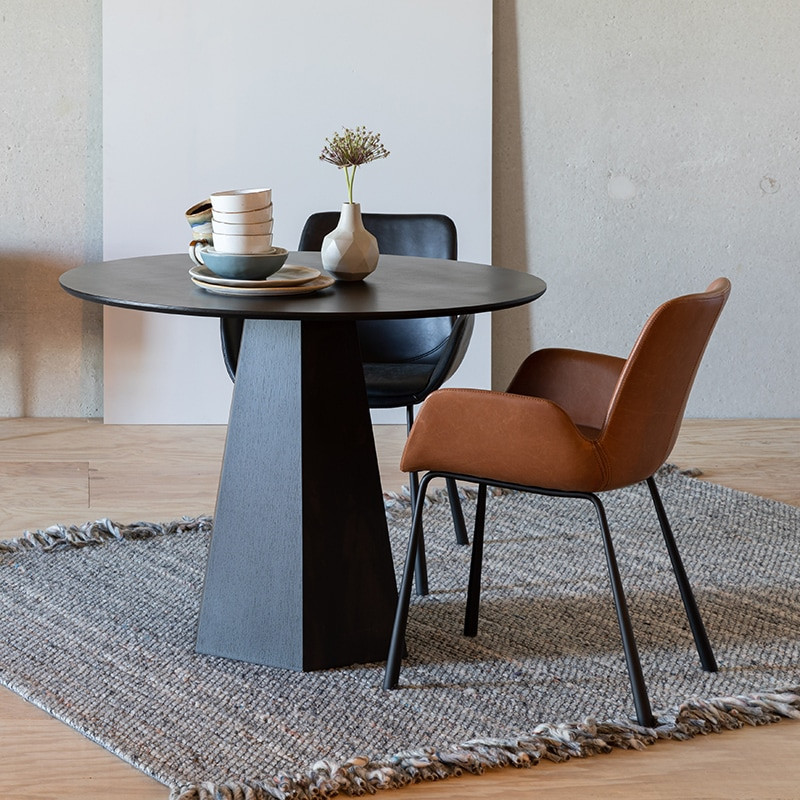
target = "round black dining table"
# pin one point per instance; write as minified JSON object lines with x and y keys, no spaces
{"x":300,"y":573}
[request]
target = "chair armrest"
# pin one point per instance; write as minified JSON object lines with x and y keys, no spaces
{"x":582,"y":383}
{"x":504,"y":437}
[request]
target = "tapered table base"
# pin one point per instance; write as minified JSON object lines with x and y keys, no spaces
{"x":300,"y":571}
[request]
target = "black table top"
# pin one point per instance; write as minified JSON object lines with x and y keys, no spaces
{"x":401,"y":287}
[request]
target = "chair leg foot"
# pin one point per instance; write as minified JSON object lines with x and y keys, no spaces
{"x":698,"y":629}
{"x":641,"y":701}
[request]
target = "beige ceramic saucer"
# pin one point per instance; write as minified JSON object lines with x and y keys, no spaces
{"x":267,"y":287}
{"x":287,"y":275}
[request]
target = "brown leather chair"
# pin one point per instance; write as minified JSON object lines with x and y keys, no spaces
{"x":571,"y":424}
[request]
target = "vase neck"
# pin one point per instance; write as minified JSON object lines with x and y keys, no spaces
{"x":351,"y":213}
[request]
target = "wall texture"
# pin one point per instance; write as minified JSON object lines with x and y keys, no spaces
{"x":50,"y":194}
{"x":641,"y":148}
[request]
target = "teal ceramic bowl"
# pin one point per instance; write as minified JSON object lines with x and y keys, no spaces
{"x":236,"y":266}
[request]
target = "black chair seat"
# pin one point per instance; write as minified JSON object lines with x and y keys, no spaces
{"x":397,"y":385}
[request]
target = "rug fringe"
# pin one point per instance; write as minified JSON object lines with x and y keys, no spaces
{"x":360,"y":776}
{"x":100,"y":532}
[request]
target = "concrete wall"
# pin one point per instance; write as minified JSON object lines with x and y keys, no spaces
{"x":50,"y":205}
{"x":641,"y":148}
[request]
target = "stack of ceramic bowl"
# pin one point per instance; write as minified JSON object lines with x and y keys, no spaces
{"x":241,"y":221}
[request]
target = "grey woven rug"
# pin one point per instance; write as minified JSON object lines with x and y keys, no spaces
{"x":98,"y":624}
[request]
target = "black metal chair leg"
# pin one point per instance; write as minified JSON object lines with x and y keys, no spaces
{"x":392,"y":674}
{"x":641,"y":701}
{"x":690,"y":605}
{"x":421,"y":565}
{"x":456,"y":511}
{"x":476,"y":563}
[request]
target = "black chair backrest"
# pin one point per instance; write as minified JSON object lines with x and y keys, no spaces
{"x":423,"y":235}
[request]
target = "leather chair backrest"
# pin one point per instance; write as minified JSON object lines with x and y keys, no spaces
{"x":423,"y":235}
{"x":650,"y":397}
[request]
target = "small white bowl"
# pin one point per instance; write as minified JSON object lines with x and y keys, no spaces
{"x":241,"y":199}
{"x":231,"y":243}
{"x":243,"y":217}
{"x":245,"y":229}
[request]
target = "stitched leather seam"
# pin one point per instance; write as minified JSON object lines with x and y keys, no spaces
{"x":602,"y":460}
{"x":420,"y":356}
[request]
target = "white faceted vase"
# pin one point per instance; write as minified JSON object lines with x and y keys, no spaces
{"x":350,"y":251}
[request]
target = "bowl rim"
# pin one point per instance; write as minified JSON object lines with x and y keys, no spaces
{"x":238,"y":200}
{"x":273,"y":253}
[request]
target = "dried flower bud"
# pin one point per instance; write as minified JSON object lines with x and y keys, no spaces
{"x":351,"y":149}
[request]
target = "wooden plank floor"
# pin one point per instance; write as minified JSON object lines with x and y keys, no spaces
{"x":72,"y":471}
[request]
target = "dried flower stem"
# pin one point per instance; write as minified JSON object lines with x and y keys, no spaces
{"x":350,"y":177}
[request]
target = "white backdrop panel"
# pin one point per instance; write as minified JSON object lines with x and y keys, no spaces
{"x":201,"y":97}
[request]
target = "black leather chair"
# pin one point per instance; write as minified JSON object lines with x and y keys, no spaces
{"x":406,"y":359}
